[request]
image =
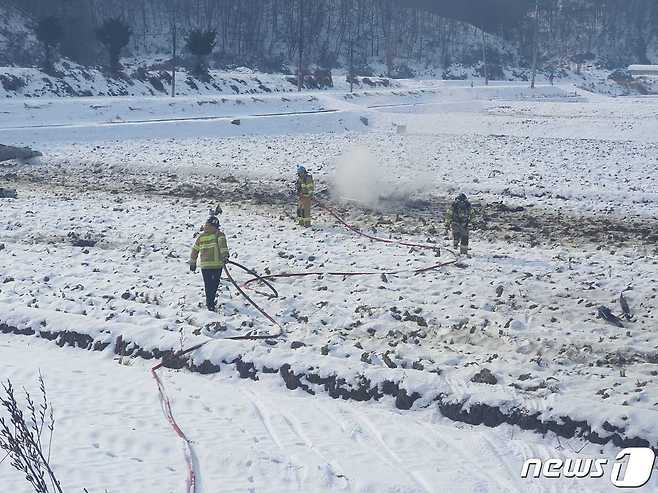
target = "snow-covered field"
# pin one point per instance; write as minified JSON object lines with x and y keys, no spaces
{"x":256,"y":436}
{"x":567,"y":198}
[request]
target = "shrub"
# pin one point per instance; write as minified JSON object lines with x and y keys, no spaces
{"x":403,"y":71}
{"x":12,"y":83}
{"x":621,"y":75}
{"x":23,"y":436}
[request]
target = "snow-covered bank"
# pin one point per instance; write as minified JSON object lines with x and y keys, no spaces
{"x":46,"y":112}
{"x":75,"y":80}
{"x":110,"y":435}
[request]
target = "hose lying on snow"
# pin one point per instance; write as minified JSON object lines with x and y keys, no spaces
{"x":190,"y":456}
{"x":253,"y":303}
{"x":346,"y":274}
{"x":165,"y":403}
{"x":376,"y":238}
{"x":265,"y":279}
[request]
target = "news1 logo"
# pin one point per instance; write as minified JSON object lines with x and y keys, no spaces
{"x":638,"y":461}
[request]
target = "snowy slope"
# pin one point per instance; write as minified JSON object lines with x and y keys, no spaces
{"x":567,"y":221}
{"x":74,"y":80}
{"x":254,"y":436}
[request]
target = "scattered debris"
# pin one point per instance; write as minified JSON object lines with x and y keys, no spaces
{"x":484,"y":376}
{"x":8,"y":193}
{"x":389,"y":362}
{"x":8,"y":153}
{"x":78,"y":241}
{"x":624,"y":306}
{"x":605,"y":313}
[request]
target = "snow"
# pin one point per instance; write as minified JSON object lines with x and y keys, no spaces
{"x":143,"y":80}
{"x":565,"y":186}
{"x":256,"y":436}
{"x":643,"y":68}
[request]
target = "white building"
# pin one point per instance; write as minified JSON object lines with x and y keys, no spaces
{"x":643,"y":70}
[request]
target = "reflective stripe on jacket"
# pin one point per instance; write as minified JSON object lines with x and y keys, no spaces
{"x":305,"y":185}
{"x":211,"y":250}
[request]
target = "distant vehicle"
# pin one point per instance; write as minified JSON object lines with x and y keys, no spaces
{"x":644,"y":70}
{"x":8,"y":153}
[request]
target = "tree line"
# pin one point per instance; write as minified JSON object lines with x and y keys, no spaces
{"x":274,"y":34}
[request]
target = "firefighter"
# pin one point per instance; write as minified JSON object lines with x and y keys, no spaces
{"x":458,"y":219}
{"x":305,"y":188}
{"x":212,"y":253}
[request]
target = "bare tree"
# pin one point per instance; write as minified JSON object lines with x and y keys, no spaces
{"x":173,"y":22}
{"x":484,"y":57}
{"x":300,"y":65}
{"x":535,"y":45}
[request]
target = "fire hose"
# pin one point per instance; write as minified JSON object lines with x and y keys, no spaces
{"x":271,"y":277}
{"x":165,"y":402}
{"x":376,"y":238}
{"x":252,"y":302}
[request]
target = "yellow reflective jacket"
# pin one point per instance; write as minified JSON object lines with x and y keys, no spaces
{"x":305,"y":185}
{"x":211,"y":250}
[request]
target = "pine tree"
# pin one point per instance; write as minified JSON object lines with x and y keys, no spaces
{"x":114,"y":34}
{"x":50,"y":33}
{"x":201,"y":43}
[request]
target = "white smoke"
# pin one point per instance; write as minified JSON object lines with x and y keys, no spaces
{"x":357,"y":176}
{"x":363,"y":177}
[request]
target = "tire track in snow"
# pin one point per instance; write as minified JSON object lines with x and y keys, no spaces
{"x":441,"y":442}
{"x":332,"y":465}
{"x":385,"y":452}
{"x":266,"y":421}
{"x":329,"y":467}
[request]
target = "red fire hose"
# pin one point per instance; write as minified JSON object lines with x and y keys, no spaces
{"x":190,"y":456}
{"x":376,"y":238}
{"x":265,"y":279}
{"x":165,"y":403}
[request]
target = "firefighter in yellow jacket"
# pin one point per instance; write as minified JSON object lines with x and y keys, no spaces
{"x":305,"y":188}
{"x":211,"y":250}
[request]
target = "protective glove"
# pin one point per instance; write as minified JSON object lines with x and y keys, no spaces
{"x":192,"y":267}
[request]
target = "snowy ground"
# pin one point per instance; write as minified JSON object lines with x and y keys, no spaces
{"x":566,"y":193}
{"x":256,"y":436}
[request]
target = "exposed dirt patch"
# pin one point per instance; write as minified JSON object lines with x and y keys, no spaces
{"x":534,"y":225}
{"x":358,"y":388}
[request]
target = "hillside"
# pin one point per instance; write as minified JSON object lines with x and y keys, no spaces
{"x":380,"y":37}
